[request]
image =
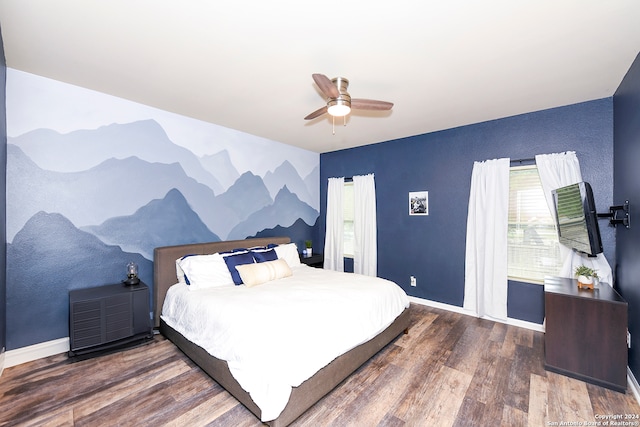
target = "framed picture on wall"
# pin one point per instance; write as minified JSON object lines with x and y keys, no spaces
{"x":419,"y":203}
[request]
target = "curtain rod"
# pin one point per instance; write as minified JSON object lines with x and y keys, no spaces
{"x":521,"y":161}
{"x":350,"y":178}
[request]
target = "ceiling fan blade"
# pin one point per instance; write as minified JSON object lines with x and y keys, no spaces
{"x":371,"y":104}
{"x":317,"y":113}
{"x":326,"y":86}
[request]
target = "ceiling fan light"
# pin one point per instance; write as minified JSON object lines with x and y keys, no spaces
{"x":339,"y":110}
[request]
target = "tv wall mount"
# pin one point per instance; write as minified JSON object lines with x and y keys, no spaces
{"x":615,"y":217}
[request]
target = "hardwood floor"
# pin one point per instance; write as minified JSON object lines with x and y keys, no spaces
{"x":450,"y":370}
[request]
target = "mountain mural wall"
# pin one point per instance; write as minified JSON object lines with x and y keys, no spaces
{"x":81,"y":204}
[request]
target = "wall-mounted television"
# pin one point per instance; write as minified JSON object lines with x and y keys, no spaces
{"x":576,"y":218}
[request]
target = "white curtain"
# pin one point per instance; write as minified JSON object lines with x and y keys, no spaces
{"x":559,"y":170}
{"x":334,"y":234}
{"x":365,"y":248}
{"x":485,"y":288}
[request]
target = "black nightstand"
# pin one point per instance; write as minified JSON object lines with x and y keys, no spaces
{"x":107,"y":318}
{"x":315,"y":260}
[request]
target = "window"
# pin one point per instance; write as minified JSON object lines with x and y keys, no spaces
{"x":347,"y":212}
{"x":532,"y":241}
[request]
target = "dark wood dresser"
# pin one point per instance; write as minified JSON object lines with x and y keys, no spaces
{"x":586,"y":333}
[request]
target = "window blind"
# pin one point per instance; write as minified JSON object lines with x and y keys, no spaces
{"x":532,"y":240}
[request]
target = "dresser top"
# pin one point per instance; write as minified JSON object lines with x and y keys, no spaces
{"x":569,"y":287}
{"x":105,"y":290}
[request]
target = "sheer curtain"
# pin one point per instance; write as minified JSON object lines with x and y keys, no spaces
{"x":559,"y":170}
{"x":365,"y":257}
{"x":334,"y":234}
{"x":485,"y":287}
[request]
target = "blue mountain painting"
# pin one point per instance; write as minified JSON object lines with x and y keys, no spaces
{"x":165,"y":222}
{"x":47,"y":258}
{"x":81,"y":205}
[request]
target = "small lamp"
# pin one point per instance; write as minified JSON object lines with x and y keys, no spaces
{"x":132,"y":274}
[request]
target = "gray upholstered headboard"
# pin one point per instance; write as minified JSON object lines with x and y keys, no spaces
{"x":164,"y":263}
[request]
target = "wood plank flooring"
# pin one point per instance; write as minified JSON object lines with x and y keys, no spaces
{"x":450,"y":370}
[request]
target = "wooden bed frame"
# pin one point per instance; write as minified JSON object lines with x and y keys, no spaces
{"x":303,"y":396}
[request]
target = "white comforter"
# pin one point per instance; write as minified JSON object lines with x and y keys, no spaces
{"x":276,"y":335}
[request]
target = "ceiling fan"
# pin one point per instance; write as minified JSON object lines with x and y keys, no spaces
{"x":339,"y":102}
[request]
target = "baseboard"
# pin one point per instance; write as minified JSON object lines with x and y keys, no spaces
{"x":513,"y":322}
{"x":633,"y":385}
{"x":436,"y":304}
{"x":36,"y":351}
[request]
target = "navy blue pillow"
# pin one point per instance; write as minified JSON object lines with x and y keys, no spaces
{"x":262,"y":255}
{"x":235,"y":259}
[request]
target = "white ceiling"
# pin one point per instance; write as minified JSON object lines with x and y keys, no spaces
{"x":247,"y":64}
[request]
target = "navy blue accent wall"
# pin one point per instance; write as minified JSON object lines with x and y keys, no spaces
{"x":3,"y":198}
{"x":626,"y":102}
{"x":432,"y":247}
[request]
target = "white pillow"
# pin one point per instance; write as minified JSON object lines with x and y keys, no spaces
{"x":179,"y":271}
{"x":289,"y":253}
{"x":205,"y":271}
{"x":258,"y":273}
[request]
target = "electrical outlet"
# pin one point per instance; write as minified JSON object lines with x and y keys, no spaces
{"x":413,"y":281}
{"x":628,"y":339}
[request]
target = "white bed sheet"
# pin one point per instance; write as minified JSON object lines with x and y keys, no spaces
{"x":259,"y":330}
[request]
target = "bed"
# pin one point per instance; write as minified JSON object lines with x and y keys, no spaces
{"x":302,"y":396}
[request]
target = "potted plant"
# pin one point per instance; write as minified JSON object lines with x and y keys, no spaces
{"x":586,"y":276}
{"x":308,"y":245}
